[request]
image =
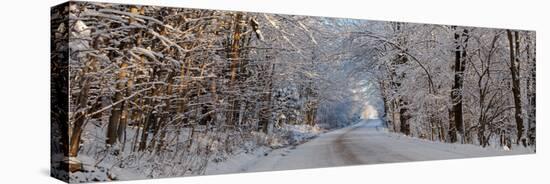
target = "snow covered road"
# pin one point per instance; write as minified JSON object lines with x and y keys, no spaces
{"x":363,"y":143}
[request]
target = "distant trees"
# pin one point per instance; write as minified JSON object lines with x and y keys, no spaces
{"x":482,"y":67}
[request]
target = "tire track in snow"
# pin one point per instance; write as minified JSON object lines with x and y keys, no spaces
{"x":344,"y":152}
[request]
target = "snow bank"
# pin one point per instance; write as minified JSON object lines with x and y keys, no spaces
{"x":182,"y":156}
{"x":262,"y":145}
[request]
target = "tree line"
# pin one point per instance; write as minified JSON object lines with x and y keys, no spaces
{"x":188,"y":84}
{"x":453,"y":83}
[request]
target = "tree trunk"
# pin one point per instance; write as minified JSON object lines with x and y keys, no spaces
{"x":147,"y":122}
{"x":166,"y":110}
{"x":513,"y":38}
{"x":234,"y":57}
{"x":266,"y":110}
{"x":116,"y":112}
{"x":387,"y":120}
{"x":123,"y":123}
{"x":531,"y":94}
{"x":457,"y":130}
{"x":80,"y":116}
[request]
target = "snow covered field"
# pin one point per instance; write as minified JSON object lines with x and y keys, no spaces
{"x":363,"y":143}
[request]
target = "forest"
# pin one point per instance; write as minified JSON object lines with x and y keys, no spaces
{"x":160,"y":91}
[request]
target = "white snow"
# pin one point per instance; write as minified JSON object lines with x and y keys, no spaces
{"x":206,"y":152}
{"x":290,"y":147}
{"x":366,"y":142}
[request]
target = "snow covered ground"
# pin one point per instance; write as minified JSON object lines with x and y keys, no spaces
{"x":239,"y":162}
{"x":290,"y":147}
{"x":102,"y":164}
{"x":363,"y":143}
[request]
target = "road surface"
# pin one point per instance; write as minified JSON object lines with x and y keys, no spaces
{"x":363,"y":143}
